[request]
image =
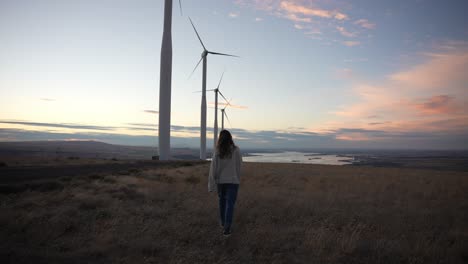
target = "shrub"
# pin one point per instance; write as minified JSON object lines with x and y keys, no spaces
{"x":125,"y":193}
{"x":134,"y":171}
{"x":46,"y":186}
{"x":65,"y":179}
{"x":96,"y":177}
{"x":187,"y":164}
{"x":12,"y":188}
{"x":192,"y":179}
{"x":109,"y":180}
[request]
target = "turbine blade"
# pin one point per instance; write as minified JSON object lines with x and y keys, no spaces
{"x":206,"y":90}
{"x":228,"y":104}
{"x":227,"y":118}
{"x":197,"y":34}
{"x":223,"y":96}
{"x":222,"y":54}
{"x":220,"y":80}
{"x":180,"y":7}
{"x":195,"y":68}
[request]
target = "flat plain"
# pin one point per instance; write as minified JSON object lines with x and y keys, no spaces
{"x":161,"y":212}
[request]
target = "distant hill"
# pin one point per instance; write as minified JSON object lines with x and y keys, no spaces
{"x":85,"y":149}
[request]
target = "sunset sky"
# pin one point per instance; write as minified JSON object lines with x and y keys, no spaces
{"x":312,"y":74}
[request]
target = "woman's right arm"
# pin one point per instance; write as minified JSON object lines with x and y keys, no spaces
{"x":238,"y":162}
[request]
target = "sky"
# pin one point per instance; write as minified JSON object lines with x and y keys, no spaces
{"x":311,"y":73}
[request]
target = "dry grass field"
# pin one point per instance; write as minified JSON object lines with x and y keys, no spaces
{"x":286,"y":213}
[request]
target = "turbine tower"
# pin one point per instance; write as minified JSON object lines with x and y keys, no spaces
{"x":215,"y":127}
{"x":204,"y":56}
{"x":165,"y":84}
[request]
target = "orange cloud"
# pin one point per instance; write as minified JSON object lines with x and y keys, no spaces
{"x":231,"y":105}
{"x":351,"y":43}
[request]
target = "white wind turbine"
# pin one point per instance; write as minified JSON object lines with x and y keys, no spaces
{"x":165,"y":84}
{"x":215,"y":127}
{"x":223,"y":114}
{"x":204,"y":56}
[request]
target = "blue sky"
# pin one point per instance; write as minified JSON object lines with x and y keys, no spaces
{"x":311,"y":73}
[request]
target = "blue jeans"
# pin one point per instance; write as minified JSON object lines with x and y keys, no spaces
{"x":227,"y":194}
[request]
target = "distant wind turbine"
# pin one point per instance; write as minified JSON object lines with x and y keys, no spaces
{"x":204,"y":56}
{"x":223,"y":113}
{"x":165,"y":84}
{"x":217,"y":91}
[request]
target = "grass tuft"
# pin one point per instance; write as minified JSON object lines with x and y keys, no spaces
{"x":192,"y":179}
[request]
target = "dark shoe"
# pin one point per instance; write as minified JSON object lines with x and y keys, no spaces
{"x":227,"y":233}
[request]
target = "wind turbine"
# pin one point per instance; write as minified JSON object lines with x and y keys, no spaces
{"x":223,"y":113}
{"x":204,"y":56}
{"x":217,"y":91}
{"x":165,"y":84}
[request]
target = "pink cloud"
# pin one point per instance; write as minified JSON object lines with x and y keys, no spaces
{"x":442,"y":69}
{"x":364,"y":23}
{"x":340,"y":16}
{"x":295,"y":18}
{"x":298,"y":26}
{"x":295,"y":10}
{"x":439,"y":104}
{"x":345,"y":33}
{"x":412,"y":100}
{"x":292,"y":7}
{"x":353,"y":136}
{"x":324,"y":16}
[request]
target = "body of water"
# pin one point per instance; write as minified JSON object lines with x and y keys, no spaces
{"x":298,"y":157}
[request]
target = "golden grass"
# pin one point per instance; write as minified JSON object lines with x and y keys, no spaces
{"x":286,"y":213}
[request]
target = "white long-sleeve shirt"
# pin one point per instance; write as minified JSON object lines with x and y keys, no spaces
{"x":225,"y":170}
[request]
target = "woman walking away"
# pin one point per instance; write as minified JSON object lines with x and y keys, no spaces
{"x":225,"y":177}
